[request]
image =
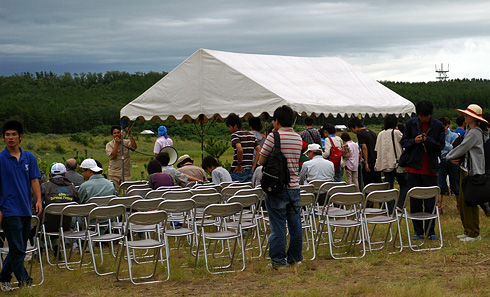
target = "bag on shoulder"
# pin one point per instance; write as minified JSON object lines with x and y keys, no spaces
{"x":476,"y":189}
{"x":275,"y":172}
{"x":335,"y":155}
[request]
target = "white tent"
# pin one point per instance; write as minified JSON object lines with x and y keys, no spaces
{"x":211,"y":83}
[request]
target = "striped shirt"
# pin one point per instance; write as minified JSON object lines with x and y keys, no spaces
{"x":248,"y":143}
{"x":291,"y":144}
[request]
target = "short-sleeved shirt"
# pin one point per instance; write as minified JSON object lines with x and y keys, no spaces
{"x":311,"y":135}
{"x":291,"y":144}
{"x":115,"y":165}
{"x":368,"y":137}
{"x":162,"y":142}
{"x":220,"y":175}
{"x":194,"y":171}
{"x":15,"y":183}
{"x":248,"y":142}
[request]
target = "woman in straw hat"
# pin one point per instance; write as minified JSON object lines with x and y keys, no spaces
{"x":472,"y":147}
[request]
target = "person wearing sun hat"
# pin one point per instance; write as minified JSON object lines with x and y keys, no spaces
{"x":472,"y":148}
{"x":186,"y":165}
{"x":96,"y":184}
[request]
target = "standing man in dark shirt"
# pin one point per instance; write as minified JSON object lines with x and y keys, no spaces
{"x":367,"y":144}
{"x":423,"y":140}
{"x":244,"y":143}
{"x":310,"y":135}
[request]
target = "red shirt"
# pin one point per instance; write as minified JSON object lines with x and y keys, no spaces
{"x":425,"y":169}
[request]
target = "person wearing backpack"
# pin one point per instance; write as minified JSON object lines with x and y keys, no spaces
{"x":333,"y":150}
{"x":284,"y":208}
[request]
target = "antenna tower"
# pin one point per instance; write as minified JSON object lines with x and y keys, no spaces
{"x":441,"y":73}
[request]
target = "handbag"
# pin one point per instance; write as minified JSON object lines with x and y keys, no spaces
{"x":476,"y":188}
{"x":398,"y":168}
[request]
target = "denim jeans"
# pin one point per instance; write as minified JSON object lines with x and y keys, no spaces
{"x":339,"y":174}
{"x":17,"y":230}
{"x":284,"y":210}
{"x":447,"y":168}
{"x":245,"y":176}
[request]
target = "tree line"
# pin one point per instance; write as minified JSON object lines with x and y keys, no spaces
{"x":90,"y":102}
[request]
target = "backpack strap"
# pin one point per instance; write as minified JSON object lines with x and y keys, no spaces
{"x":393,"y":140}
{"x":277,"y":144}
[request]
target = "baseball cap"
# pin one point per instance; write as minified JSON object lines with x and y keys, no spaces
{"x":314,"y":147}
{"x":90,"y":164}
{"x":57,"y":169}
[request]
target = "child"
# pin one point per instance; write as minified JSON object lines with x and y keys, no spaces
{"x":351,"y":160}
{"x":218,"y":173}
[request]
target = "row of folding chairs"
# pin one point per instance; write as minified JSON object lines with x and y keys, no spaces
{"x":346,"y":213}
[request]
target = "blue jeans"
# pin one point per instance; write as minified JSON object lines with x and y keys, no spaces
{"x":339,"y":175}
{"x":284,"y":209}
{"x":17,"y":230}
{"x":245,"y":176}
{"x":447,"y":168}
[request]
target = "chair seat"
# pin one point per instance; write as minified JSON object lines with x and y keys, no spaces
{"x":421,"y":216}
{"x":245,"y":225}
{"x":374,"y":211}
{"x":179,"y":232}
{"x":145,"y":244}
{"x":206,"y":222}
{"x":142,"y":228}
{"x":220,"y":235}
{"x":339,"y":212}
{"x":107,"y":237}
{"x":380,"y":220}
{"x":78,"y":234}
{"x":344,"y":223}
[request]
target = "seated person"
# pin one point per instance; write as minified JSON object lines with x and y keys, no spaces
{"x":96,"y":185}
{"x":218,"y":173}
{"x":57,"y":190}
{"x":157,"y":178}
{"x":180,"y":178}
{"x":186,"y":165}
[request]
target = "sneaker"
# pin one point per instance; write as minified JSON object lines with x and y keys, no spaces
{"x":276,"y":266}
{"x":6,"y":286}
{"x":417,"y":237}
{"x":461,"y":236}
{"x":434,"y":237}
{"x":470,"y":239}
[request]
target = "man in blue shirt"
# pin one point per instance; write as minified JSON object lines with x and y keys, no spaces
{"x":19,"y":175}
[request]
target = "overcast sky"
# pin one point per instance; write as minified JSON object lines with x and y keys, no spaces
{"x":389,"y":40}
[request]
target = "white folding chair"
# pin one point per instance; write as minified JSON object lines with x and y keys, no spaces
{"x":307,"y":203}
{"x":370,"y":209}
{"x":101,"y":200}
{"x":172,"y":195}
{"x":184,"y":211}
{"x":156,"y":220}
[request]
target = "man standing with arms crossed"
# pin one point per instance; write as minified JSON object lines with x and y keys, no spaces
{"x":285,"y":207}
{"x":19,"y":175}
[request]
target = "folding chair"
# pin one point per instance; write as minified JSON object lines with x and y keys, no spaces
{"x":53,"y":210}
{"x":423,"y":193}
{"x":249,"y":222}
{"x":81,"y":232}
{"x":101,"y":200}
{"x":172,"y":195}
{"x":222,"y":213}
{"x":375,"y":187}
{"x":218,"y":188}
{"x":155,"y":193}
{"x":309,"y":188}
{"x":104,"y":214}
{"x":127,"y":202}
{"x":184,"y":211}
{"x":138,"y":191}
{"x":352,"y":201}
{"x":229,"y":191}
{"x":307,"y":203}
{"x":31,"y":249}
{"x":156,"y":220}
{"x":124,"y":185}
{"x":204,"y":190}
{"x":382,"y":197}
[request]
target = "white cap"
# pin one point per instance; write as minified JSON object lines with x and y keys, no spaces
{"x":90,"y":164}
{"x":314,"y":147}
{"x":58,"y":169}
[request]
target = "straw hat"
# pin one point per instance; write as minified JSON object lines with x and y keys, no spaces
{"x":473,"y":111}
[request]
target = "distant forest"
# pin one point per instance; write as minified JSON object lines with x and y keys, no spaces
{"x":90,"y":102}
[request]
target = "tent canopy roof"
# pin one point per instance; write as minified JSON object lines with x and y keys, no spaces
{"x":214,"y":84}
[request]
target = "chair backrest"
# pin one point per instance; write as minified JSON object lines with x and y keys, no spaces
{"x":306,"y":199}
{"x":383,"y":196}
{"x":223,"y":210}
{"x":207,"y":190}
{"x":107,"y":212}
{"x":169,"y":187}
{"x":256,"y":191}
{"x":347,"y":199}
{"x":148,"y":218}
{"x":225,"y":184}
{"x":218,"y":188}
{"x":309,"y":188}
{"x":126,"y":201}
{"x":177,"y":195}
{"x":56,"y":208}
{"x":232,"y":189}
{"x":375,"y":187}
{"x":155,"y":194}
{"x":423,"y":193}
{"x":245,"y":200}
{"x":101,"y":200}
{"x":203,"y":200}
{"x":178,"y":206}
{"x":341,"y":189}
{"x":140,"y":191}
{"x":79,"y":210}
{"x":146,"y":204}
{"x":124,"y":185}
{"x":326,"y":186}
{"x":35,"y":222}
{"x":138,"y":186}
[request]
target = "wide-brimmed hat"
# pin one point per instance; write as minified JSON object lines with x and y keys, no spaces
{"x":184,"y":159}
{"x":474,"y":111}
{"x":314,"y":147}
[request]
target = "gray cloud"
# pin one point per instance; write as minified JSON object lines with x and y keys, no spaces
{"x":389,"y":40}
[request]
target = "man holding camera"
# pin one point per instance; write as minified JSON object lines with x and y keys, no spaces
{"x":423,"y":140}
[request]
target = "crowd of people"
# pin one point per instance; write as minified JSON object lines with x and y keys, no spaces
{"x":424,"y":152}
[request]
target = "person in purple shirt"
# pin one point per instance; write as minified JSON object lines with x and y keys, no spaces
{"x":19,"y":173}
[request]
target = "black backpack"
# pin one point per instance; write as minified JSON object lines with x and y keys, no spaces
{"x":275,"y":173}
